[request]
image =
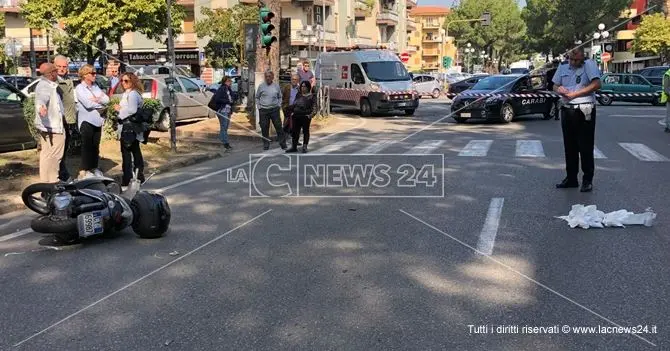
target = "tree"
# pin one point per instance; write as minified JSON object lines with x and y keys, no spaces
{"x":556,"y":25}
{"x":224,"y":25}
{"x":504,"y":36}
{"x":89,"y":21}
{"x":653,"y":36}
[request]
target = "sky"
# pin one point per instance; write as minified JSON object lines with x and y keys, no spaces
{"x":449,"y":2}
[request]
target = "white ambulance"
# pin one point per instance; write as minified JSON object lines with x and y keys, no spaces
{"x":370,"y":80}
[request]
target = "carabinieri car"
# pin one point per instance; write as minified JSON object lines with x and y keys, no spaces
{"x":474,"y":104}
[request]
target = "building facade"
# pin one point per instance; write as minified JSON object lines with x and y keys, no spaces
{"x":314,"y":25}
{"x":429,"y":39}
{"x":623,"y":59}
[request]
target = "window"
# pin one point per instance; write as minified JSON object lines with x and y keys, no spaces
{"x":189,"y":85}
{"x":612,"y":80}
{"x":357,"y":75}
{"x":6,"y":95}
{"x":386,"y":71}
{"x":637,"y":80}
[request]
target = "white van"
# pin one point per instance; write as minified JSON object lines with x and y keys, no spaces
{"x":370,"y":80}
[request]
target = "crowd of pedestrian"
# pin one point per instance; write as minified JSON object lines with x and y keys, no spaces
{"x":61,"y":110}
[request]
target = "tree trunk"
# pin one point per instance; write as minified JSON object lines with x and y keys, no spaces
{"x":89,"y":55}
{"x":119,"y":56}
{"x":275,"y":7}
{"x":666,"y":9}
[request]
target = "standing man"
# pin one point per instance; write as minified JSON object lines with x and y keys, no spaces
{"x":664,"y":99}
{"x":577,"y":83}
{"x":66,"y":90}
{"x":49,"y":119}
{"x":305,"y":74}
{"x":268,"y":100}
{"x":289,"y":92}
{"x":113,"y":74}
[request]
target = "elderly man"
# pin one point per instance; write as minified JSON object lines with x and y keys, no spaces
{"x":289,"y":92}
{"x":49,"y":117}
{"x":268,"y":100}
{"x":577,"y":83}
{"x":66,"y":89}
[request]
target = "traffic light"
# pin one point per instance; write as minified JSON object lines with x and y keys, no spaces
{"x":446,"y":61}
{"x":598,"y":59}
{"x":267,"y":39}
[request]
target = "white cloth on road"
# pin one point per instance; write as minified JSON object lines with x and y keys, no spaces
{"x":590,"y":217}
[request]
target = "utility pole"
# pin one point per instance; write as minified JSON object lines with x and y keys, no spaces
{"x":33,"y":58}
{"x":171,"y":81}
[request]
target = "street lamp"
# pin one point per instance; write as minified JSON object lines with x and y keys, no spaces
{"x":14,"y":49}
{"x":600,"y":36}
{"x":469,"y":50}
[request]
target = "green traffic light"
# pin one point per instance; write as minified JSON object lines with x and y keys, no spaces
{"x":268,"y":40}
{"x":266,"y":15}
{"x":266,"y":28}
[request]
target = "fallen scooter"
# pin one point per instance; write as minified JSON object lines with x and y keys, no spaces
{"x":96,"y":206}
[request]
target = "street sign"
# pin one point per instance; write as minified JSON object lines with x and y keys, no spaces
{"x":404,"y":57}
{"x":605,"y":56}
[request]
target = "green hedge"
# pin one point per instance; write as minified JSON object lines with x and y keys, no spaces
{"x":108,"y":129}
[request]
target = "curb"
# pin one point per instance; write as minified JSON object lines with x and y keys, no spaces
{"x":233,"y":136}
{"x":12,"y":207}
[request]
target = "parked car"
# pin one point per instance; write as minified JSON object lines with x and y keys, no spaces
{"x":465,"y":84}
{"x":625,"y":83}
{"x":14,"y":134}
{"x":19,"y":82}
{"x":427,"y":85}
{"x":100,"y":80}
{"x":179,"y":70}
{"x":191,"y":101}
{"x":653,"y":74}
{"x":235,"y":87}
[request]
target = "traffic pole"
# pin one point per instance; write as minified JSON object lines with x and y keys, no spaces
{"x":171,"y":82}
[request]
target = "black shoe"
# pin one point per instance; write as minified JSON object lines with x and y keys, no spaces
{"x":304,"y":149}
{"x":565,"y":184}
{"x":227,"y":146}
{"x":266,"y":147}
{"x":283,"y":146}
{"x":667,"y":130}
{"x":293,"y":149}
{"x":299,"y":143}
{"x":586,"y":187}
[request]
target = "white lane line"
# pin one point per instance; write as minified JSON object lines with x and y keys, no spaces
{"x":334,"y":147}
{"x":15,"y":235}
{"x":517,"y":272}
{"x":142,"y":278}
{"x":643,"y":152}
{"x":597,"y":154}
{"x":529,"y":148}
{"x":426,"y":147}
{"x":487,"y":237}
{"x":375,"y":147}
{"x":476,"y":148}
{"x":637,"y":116}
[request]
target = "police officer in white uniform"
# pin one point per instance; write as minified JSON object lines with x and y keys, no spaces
{"x":577,"y":83}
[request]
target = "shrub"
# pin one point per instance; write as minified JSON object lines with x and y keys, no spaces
{"x":29,"y":116}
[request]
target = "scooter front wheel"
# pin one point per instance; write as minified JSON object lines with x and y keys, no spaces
{"x":33,"y":198}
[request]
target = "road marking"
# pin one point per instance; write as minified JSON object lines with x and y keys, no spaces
{"x":476,"y":148}
{"x":487,"y":237}
{"x":334,"y":147}
{"x":376,"y":147}
{"x":529,"y":148}
{"x":425,"y":147}
{"x":643,"y":153}
{"x":637,"y":116}
{"x":142,"y":278}
{"x":15,"y":235}
{"x":515,"y":271}
{"x":597,"y":153}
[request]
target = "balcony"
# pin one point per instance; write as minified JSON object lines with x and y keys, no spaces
{"x":431,"y":52}
{"x":387,"y":17}
{"x":628,"y":13}
{"x":361,"y":10}
{"x":430,"y":65}
{"x":186,"y":40}
{"x":432,"y":25}
{"x":297,"y":39}
{"x":412,"y":48}
{"x":411,"y":4}
{"x":9,"y":5}
{"x":411,"y":25}
{"x":432,"y":39}
{"x":186,"y":2}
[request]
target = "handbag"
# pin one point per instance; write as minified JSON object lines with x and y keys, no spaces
{"x":212,"y":103}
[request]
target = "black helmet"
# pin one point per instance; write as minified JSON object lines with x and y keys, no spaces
{"x":151,"y":214}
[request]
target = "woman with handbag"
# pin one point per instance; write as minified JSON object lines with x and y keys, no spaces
{"x":222,"y":103}
{"x":303,"y":110}
{"x":130,"y":138}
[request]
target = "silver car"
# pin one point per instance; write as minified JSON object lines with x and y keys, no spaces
{"x":191,"y":101}
{"x":427,"y":85}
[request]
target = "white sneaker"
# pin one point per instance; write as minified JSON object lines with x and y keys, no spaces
{"x":98,"y":173}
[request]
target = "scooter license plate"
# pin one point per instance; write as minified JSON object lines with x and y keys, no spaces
{"x":90,"y":224}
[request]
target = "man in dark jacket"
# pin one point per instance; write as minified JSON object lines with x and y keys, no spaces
{"x":223,"y":98}
{"x":66,"y":88}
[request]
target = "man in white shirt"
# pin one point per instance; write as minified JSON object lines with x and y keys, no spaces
{"x":49,"y":115}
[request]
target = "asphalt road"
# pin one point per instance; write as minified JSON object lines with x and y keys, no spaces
{"x":473,"y":242}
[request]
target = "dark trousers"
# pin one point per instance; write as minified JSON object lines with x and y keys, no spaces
{"x":90,"y":146}
{"x":301,"y":122}
{"x":63,"y":173}
{"x":267,"y":115}
{"x":131,"y":159}
{"x":287,"y":122}
{"x":578,"y":141}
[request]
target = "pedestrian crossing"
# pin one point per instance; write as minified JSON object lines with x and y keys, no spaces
{"x":522,"y":149}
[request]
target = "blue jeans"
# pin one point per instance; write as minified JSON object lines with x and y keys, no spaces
{"x":223,"y":114}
